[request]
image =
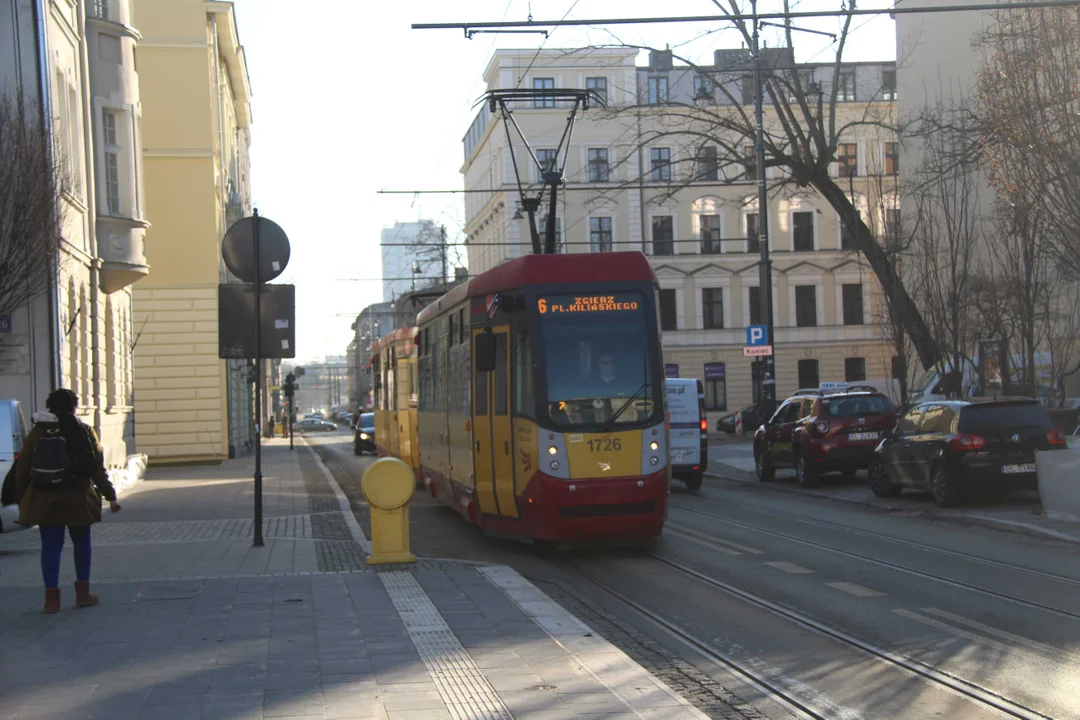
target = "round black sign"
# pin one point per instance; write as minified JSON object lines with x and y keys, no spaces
{"x":238,"y":249}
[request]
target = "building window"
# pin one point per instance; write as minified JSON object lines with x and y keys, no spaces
{"x":846,"y":86}
{"x":663,"y":235}
{"x":802,"y":228}
{"x":715,"y":386}
{"x":747,"y":88}
{"x":598,"y":165}
{"x":712,"y":308}
{"x":669,"y":314}
{"x":542,"y":229}
{"x":597,"y":85}
{"x":753,"y":301}
{"x":658,"y":90}
{"x":710,"y":234}
{"x":847,"y":234}
{"x":892,"y":158}
{"x":98,"y":9}
{"x":808,"y":374}
{"x":547,"y":159}
{"x":898,"y":366}
{"x":661,"y":163}
{"x":600,"y":234}
{"x":892,"y":224}
{"x":888,"y":83}
{"x":853,"y":303}
{"x":854,"y":369}
{"x":544,"y":101}
{"x":847,"y":160}
{"x":703,"y":86}
{"x":708,"y":167}
{"x":805,"y":306}
{"x":753,"y":242}
{"x":112,"y":162}
{"x":750,"y":162}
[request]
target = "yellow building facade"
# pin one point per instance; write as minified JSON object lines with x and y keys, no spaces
{"x":196,"y":114}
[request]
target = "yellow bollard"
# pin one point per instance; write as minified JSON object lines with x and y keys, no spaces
{"x":388,"y":485}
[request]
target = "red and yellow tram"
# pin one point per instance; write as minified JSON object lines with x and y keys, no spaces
{"x":541,"y":404}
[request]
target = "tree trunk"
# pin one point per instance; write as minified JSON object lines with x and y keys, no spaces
{"x":891,"y":284}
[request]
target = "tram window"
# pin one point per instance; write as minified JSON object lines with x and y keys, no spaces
{"x":452,"y":336}
{"x":524,"y":392}
{"x":480,"y":393}
{"x":501,"y":385}
{"x":462,"y":329}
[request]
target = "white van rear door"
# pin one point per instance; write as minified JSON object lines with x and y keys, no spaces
{"x":685,"y":423}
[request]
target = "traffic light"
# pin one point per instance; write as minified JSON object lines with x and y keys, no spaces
{"x":290,"y":385}
{"x":299,"y":372}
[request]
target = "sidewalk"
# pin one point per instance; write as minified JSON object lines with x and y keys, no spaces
{"x":196,"y":623}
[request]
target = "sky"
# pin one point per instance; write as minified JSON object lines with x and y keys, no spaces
{"x":353,"y":101}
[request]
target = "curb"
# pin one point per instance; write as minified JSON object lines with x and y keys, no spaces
{"x":343,"y":501}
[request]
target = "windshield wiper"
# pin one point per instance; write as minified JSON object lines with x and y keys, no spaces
{"x":611,"y":421}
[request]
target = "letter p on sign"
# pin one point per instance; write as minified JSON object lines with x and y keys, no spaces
{"x":755,"y":335}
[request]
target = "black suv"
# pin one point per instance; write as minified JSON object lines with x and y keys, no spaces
{"x":818,"y":431}
{"x":952,"y":448}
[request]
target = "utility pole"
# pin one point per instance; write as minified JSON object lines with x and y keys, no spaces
{"x":442,"y":246}
{"x":768,"y":387}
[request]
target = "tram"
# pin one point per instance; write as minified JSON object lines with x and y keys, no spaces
{"x":541,"y":406}
{"x":394,"y":368}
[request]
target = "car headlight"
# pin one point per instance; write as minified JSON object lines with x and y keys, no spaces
{"x":363,"y":436}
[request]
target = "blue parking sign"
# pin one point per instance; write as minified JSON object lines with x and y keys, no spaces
{"x":756,"y":335}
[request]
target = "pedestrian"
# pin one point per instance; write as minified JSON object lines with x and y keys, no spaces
{"x":60,"y":480}
{"x":270,"y":422}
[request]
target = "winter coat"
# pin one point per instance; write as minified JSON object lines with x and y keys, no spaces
{"x":77,"y":507}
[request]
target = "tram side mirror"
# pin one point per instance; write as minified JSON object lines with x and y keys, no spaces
{"x":484,"y":358}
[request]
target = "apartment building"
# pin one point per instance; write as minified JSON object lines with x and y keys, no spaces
{"x":638,"y":176}
{"x":196,"y":118}
{"x":75,"y":63}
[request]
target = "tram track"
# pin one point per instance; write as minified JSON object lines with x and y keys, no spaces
{"x":885,"y":538}
{"x":892,"y":565}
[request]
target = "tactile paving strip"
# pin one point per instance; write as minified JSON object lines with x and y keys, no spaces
{"x":467,"y":693}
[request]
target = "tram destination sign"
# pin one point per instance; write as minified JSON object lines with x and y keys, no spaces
{"x":620,"y":302}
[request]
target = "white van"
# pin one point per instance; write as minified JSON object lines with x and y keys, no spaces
{"x":12,"y":434}
{"x":688,"y":439}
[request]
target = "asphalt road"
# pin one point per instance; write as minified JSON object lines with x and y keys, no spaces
{"x":764,"y":604}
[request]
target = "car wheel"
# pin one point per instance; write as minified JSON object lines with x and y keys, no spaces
{"x":805,"y":472}
{"x":357,"y":451}
{"x":765,"y":471}
{"x":693,"y":481}
{"x":879,"y":481}
{"x":946,"y":494}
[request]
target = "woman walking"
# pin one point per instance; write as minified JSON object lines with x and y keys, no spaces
{"x":60,"y":480}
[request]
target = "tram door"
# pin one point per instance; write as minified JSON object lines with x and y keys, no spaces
{"x":492,"y":437}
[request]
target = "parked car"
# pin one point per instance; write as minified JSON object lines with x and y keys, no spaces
{"x":688,"y":433}
{"x":817,"y":431}
{"x":364,"y":439}
{"x":12,"y":434}
{"x":956,"y":447}
{"x":315,"y":425}
{"x":752,"y":417}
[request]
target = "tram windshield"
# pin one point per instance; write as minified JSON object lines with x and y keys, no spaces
{"x":596,"y":353}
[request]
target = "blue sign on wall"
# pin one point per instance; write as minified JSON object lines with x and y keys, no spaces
{"x":5,"y":323}
{"x":671,"y":370}
{"x":757,"y":335}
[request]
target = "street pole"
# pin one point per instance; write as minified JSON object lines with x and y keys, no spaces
{"x":768,"y":388}
{"x":442,"y":229}
{"x":258,"y":542}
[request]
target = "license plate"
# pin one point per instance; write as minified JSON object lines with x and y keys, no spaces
{"x":681,"y":452}
{"x":863,"y":436}
{"x":1011,"y":469}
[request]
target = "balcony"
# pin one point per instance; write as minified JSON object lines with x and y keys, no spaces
{"x":121,"y":248}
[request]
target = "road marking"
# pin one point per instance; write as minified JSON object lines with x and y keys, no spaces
{"x":694,"y":537}
{"x":789,"y":567}
{"x":856,"y":590}
{"x":1033,"y":644}
{"x":737,"y":549}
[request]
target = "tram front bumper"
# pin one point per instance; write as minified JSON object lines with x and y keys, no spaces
{"x":563,"y":510}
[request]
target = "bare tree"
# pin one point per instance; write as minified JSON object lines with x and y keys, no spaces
{"x":1028,"y":113}
{"x":807,"y":121}
{"x":30,"y":212}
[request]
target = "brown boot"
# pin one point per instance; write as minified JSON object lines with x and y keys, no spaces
{"x":52,"y":600}
{"x":83,"y":598}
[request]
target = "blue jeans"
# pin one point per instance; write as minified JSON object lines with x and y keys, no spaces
{"x":52,"y":546}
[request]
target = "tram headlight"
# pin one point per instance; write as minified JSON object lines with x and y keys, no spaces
{"x":654,"y":460}
{"x":554,"y":465}
{"x":553,"y":450}
{"x":654,"y":445}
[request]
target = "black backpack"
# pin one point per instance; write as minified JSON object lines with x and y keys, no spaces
{"x":51,"y":467}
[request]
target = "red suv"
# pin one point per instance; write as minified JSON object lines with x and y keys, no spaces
{"x":817,"y":431}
